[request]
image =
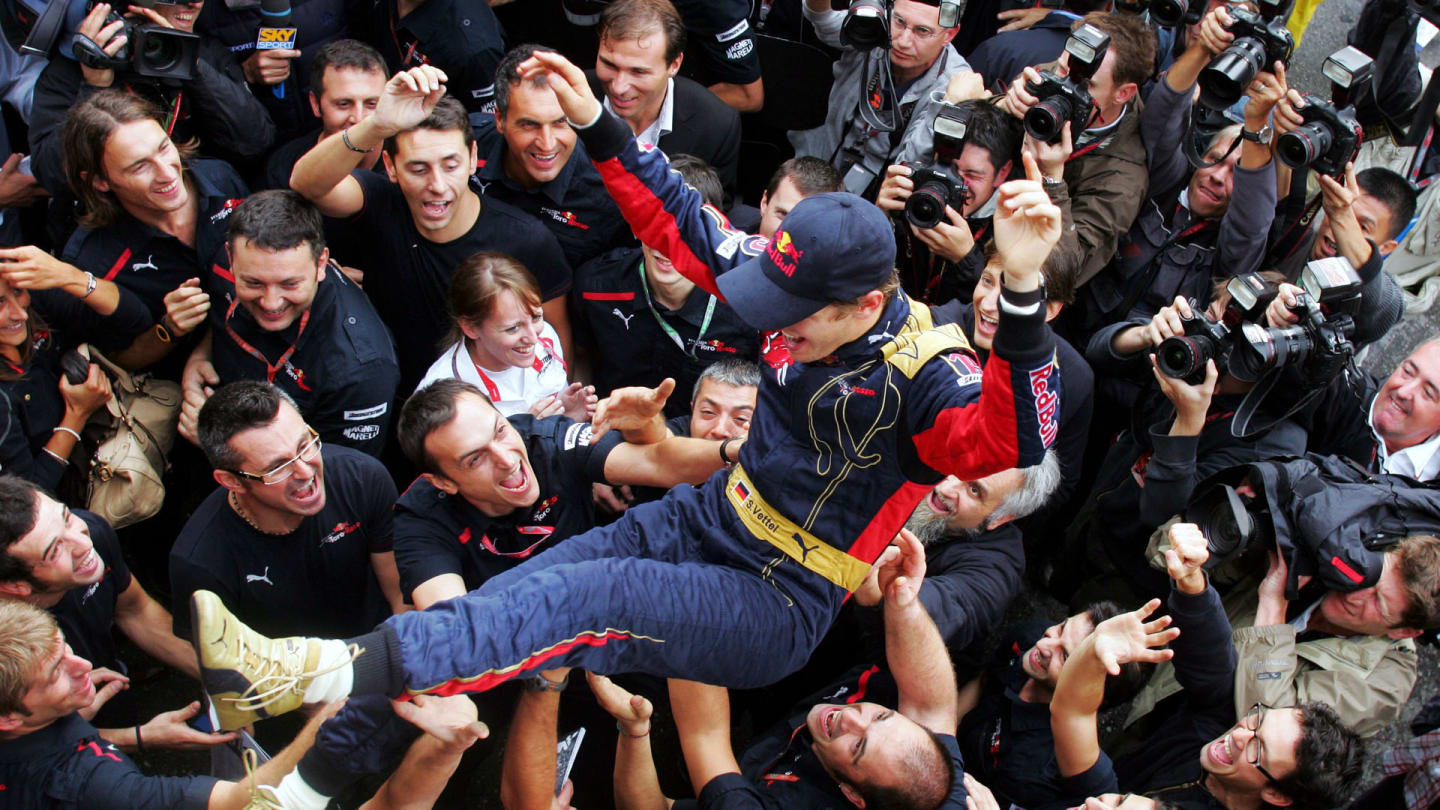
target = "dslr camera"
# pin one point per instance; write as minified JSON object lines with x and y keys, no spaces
{"x":150,"y":50}
{"x":1331,"y":133}
{"x":1067,"y":98}
{"x":1167,"y":13}
{"x":1318,"y":347}
{"x":1183,"y":356}
{"x":867,"y":22}
{"x":1261,"y":40}
{"x":935,"y":185}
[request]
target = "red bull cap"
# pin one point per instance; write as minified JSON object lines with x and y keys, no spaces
{"x":831,"y":247}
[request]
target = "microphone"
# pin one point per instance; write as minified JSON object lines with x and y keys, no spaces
{"x":275,"y":32}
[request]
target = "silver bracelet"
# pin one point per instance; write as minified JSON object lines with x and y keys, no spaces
{"x":90,"y":284}
{"x":67,"y":430}
{"x":56,"y":456}
{"x":345,"y":136}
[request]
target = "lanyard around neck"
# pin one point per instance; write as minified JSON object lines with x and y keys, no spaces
{"x":270,"y":368}
{"x":665,"y":325}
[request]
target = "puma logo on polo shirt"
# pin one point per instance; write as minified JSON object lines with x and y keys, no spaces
{"x":263,"y":577}
{"x":148,"y":264}
{"x":622,"y":316}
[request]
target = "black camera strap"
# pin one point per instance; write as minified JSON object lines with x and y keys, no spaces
{"x":1245,"y":414}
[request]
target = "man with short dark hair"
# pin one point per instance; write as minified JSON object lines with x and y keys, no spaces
{"x":68,"y":562}
{"x":466,"y":520}
{"x":346,"y":79}
{"x":1101,"y":170}
{"x":529,"y":158}
{"x":943,"y":263}
{"x":414,"y":228}
{"x":286,"y":315}
{"x":298,"y":535}
{"x":796,"y":179}
{"x":921,"y":61}
{"x":642,"y":43}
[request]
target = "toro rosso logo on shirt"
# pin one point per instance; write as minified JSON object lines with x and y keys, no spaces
{"x":564,"y":218}
{"x":968,"y":368}
{"x":784,"y":254}
{"x":1046,"y":403}
{"x":336,"y":534}
{"x":224,"y":211}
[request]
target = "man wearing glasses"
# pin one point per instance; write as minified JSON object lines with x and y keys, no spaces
{"x":299,"y":533}
{"x":1301,"y":757}
{"x":919,"y":62}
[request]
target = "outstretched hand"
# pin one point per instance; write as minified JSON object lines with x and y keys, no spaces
{"x":633,"y":408}
{"x":451,"y":720}
{"x":1122,"y":639}
{"x":571,"y":87}
{"x":1027,"y":226}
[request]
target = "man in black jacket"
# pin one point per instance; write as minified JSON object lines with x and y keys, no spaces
{"x":642,"y":43}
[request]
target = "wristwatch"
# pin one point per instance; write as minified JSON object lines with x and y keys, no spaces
{"x":1262,"y":137}
{"x":540,"y":683}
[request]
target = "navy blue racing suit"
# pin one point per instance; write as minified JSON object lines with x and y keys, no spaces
{"x":733,"y":583}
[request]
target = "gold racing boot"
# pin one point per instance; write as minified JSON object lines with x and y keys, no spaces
{"x":247,"y":676}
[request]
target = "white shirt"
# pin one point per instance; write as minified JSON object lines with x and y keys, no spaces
{"x":514,"y":389}
{"x":664,"y":122}
{"x":1420,"y":461}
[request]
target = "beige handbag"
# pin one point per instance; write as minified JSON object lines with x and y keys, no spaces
{"x":134,"y":433}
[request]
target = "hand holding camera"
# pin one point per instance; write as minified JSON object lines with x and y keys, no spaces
{"x":1339,"y":203}
{"x":107,"y":33}
{"x":1066,"y":99}
{"x":1051,"y":156}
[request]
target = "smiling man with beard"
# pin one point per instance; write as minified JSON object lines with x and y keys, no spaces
{"x":299,"y":533}
{"x":286,"y":315}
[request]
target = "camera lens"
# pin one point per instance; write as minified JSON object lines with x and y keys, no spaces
{"x":865,"y":27}
{"x":1226,"y":78}
{"x":1304,"y":144}
{"x":1044,"y":121}
{"x":926,"y":206}
{"x":1271,"y":348}
{"x":1184,"y":356}
{"x":160,"y":53}
{"x":1167,"y":12}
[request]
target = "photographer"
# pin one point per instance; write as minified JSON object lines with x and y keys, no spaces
{"x":1180,"y":435}
{"x":1187,"y":230}
{"x":1364,"y":217}
{"x":919,"y":60}
{"x":1353,"y":651}
{"x":1208,"y":754}
{"x":214,"y":106}
{"x":1103,"y":166}
{"x":942,"y":263}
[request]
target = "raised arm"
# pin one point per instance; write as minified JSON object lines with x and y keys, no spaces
{"x":323,"y":174}
{"x":914,"y":649}
{"x":662,"y":210}
{"x":1081,"y":689}
{"x":637,"y":784}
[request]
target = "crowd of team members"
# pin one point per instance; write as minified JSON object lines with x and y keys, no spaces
{"x":422,"y":338}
